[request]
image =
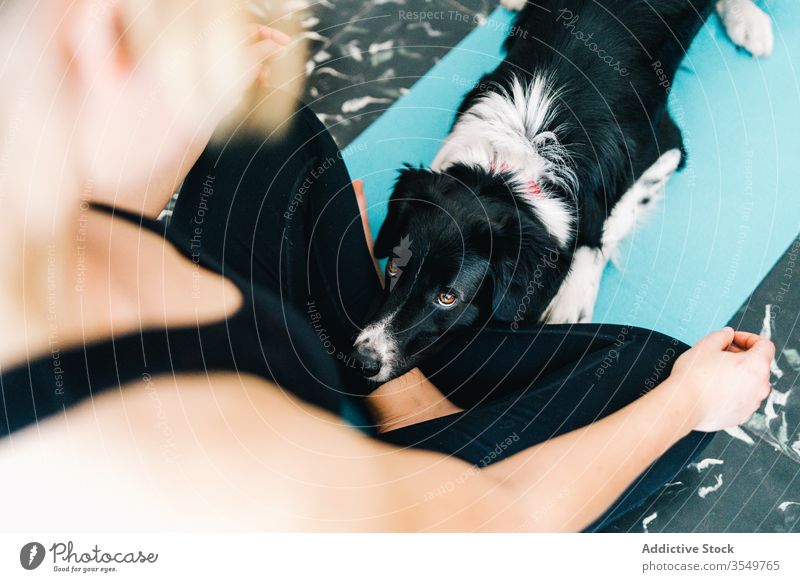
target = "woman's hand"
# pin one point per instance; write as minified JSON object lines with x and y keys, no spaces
{"x":267,"y":44}
{"x":727,"y":376}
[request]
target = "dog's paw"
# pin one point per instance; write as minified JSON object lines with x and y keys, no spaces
{"x":567,"y":314}
{"x":657,"y":175}
{"x":513,"y":4}
{"x":747,"y":26}
{"x":574,"y":302}
{"x":637,"y":203}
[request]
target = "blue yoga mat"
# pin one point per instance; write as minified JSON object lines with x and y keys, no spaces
{"x":724,"y":221}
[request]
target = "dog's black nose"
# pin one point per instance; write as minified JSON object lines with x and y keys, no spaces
{"x":368,"y":360}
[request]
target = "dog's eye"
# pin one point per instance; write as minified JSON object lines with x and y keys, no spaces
{"x":446,"y":299}
{"x":392,"y":268}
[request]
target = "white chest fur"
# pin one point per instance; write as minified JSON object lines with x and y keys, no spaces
{"x":507,"y":131}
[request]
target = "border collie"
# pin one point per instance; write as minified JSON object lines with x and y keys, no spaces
{"x":553,"y":159}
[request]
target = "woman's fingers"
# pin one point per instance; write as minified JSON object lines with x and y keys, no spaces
{"x":260,"y":32}
{"x":275,"y":35}
{"x":762,"y":348}
{"x":261,"y":53}
{"x":746,"y":339}
{"x":267,"y":43}
{"x":266,"y":49}
{"x":718,"y":340}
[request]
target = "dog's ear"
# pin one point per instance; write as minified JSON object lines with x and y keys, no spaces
{"x":509,"y":288}
{"x":392,"y":226}
{"x":524,"y":268}
{"x":412,"y":183}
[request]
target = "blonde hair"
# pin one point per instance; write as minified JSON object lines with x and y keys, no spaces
{"x":196,"y":51}
{"x":181,"y":38}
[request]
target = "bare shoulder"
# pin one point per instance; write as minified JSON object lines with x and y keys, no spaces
{"x":217,"y":451}
{"x":232,"y":453}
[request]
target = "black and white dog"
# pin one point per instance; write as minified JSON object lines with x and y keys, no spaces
{"x":553,"y":159}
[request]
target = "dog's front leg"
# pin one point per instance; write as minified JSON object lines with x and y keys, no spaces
{"x":637,"y":203}
{"x":574,"y":302}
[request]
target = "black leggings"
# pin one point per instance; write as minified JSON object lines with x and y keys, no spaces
{"x":283,"y":215}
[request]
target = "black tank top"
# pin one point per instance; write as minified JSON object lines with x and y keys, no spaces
{"x":265,"y":337}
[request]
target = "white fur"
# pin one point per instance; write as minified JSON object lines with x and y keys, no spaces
{"x":513,"y":4}
{"x":630,"y":210}
{"x":574,"y":302}
{"x":505,"y":131}
{"x":554,"y":214}
{"x":748,"y":26}
{"x":576,"y":298}
{"x":378,"y":338}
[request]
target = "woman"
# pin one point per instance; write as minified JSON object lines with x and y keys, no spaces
{"x":194,"y":380}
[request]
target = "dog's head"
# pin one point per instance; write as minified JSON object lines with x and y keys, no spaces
{"x":463,"y":246}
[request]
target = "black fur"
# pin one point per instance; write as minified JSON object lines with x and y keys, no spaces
{"x":470,"y":231}
{"x":614,"y":125}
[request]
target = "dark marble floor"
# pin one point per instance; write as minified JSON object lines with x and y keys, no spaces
{"x":367,"y":54}
{"x":364,"y":55}
{"x":748,"y":479}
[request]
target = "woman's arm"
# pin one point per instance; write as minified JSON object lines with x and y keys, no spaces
{"x":567,"y":482}
{"x":578,"y":475}
{"x":224,"y":452}
{"x":228,"y":452}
